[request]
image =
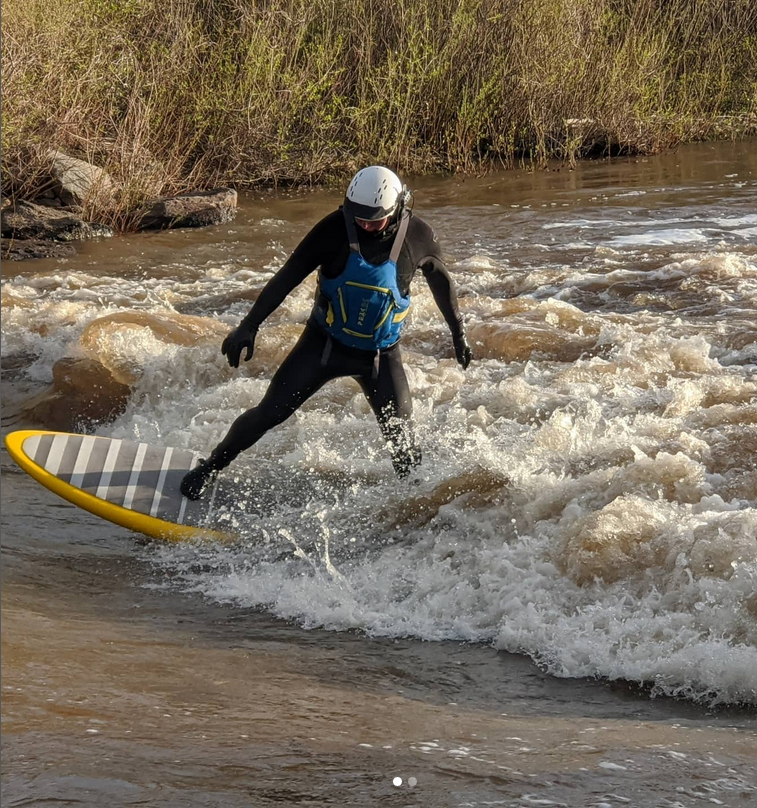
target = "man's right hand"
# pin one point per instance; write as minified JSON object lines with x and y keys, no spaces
{"x":463,"y":352}
{"x":243,"y":336}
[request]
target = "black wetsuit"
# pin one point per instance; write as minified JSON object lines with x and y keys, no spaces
{"x":318,"y":358}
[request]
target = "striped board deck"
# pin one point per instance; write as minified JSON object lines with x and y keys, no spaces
{"x":132,"y":484}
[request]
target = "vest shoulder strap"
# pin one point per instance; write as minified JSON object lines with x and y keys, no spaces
{"x":399,"y":239}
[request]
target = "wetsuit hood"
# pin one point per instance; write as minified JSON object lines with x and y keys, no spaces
{"x":387,"y":233}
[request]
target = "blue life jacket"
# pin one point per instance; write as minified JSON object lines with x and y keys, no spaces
{"x":363,"y":307}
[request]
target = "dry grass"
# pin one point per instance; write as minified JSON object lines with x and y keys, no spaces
{"x":175,"y":94}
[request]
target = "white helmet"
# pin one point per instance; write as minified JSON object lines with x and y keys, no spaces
{"x":375,"y":192}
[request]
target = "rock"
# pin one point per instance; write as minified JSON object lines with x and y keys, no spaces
{"x":76,"y":180}
{"x":25,"y":220}
{"x":13,"y":249}
{"x":83,"y":393}
{"x":196,"y":209}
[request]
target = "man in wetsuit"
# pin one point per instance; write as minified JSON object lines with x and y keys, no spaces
{"x":366,"y":253}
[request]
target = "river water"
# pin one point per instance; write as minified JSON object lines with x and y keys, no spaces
{"x":561,"y":610}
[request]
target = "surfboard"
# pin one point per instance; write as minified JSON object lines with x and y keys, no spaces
{"x":135,"y":485}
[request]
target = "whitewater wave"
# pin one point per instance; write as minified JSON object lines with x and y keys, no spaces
{"x":589,"y":490}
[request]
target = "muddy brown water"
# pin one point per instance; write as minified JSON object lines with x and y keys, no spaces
{"x":185,"y":677}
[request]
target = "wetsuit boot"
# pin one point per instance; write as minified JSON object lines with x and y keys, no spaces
{"x":196,"y":481}
{"x":406,"y":460}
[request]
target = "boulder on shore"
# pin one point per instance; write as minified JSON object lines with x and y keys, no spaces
{"x":77,"y":180}
{"x":43,"y":229}
{"x":27,"y":220}
{"x":13,"y":249}
{"x":195,"y":209}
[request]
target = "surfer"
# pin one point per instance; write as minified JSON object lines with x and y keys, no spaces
{"x":366,"y":253}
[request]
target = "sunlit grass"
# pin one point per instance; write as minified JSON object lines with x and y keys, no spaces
{"x":172,"y":95}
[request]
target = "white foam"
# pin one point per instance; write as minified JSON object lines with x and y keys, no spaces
{"x":736,"y":221}
{"x":468,"y":575}
{"x":660,"y":238}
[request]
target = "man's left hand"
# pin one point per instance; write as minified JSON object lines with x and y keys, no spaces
{"x":463,"y":351}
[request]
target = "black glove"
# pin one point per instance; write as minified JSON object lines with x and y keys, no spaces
{"x":463,"y":351}
{"x":243,"y":336}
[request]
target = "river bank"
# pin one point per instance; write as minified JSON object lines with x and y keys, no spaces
{"x":213,"y":95}
{"x":49,"y":227}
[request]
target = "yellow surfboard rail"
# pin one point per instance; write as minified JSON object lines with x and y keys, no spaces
{"x":132,"y":520}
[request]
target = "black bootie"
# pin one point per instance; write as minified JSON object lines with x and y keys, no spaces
{"x":196,"y":481}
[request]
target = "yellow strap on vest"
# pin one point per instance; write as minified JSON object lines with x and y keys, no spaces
{"x":398,"y":318}
{"x":357,"y":333}
{"x":388,"y":311}
{"x":367,"y":286}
